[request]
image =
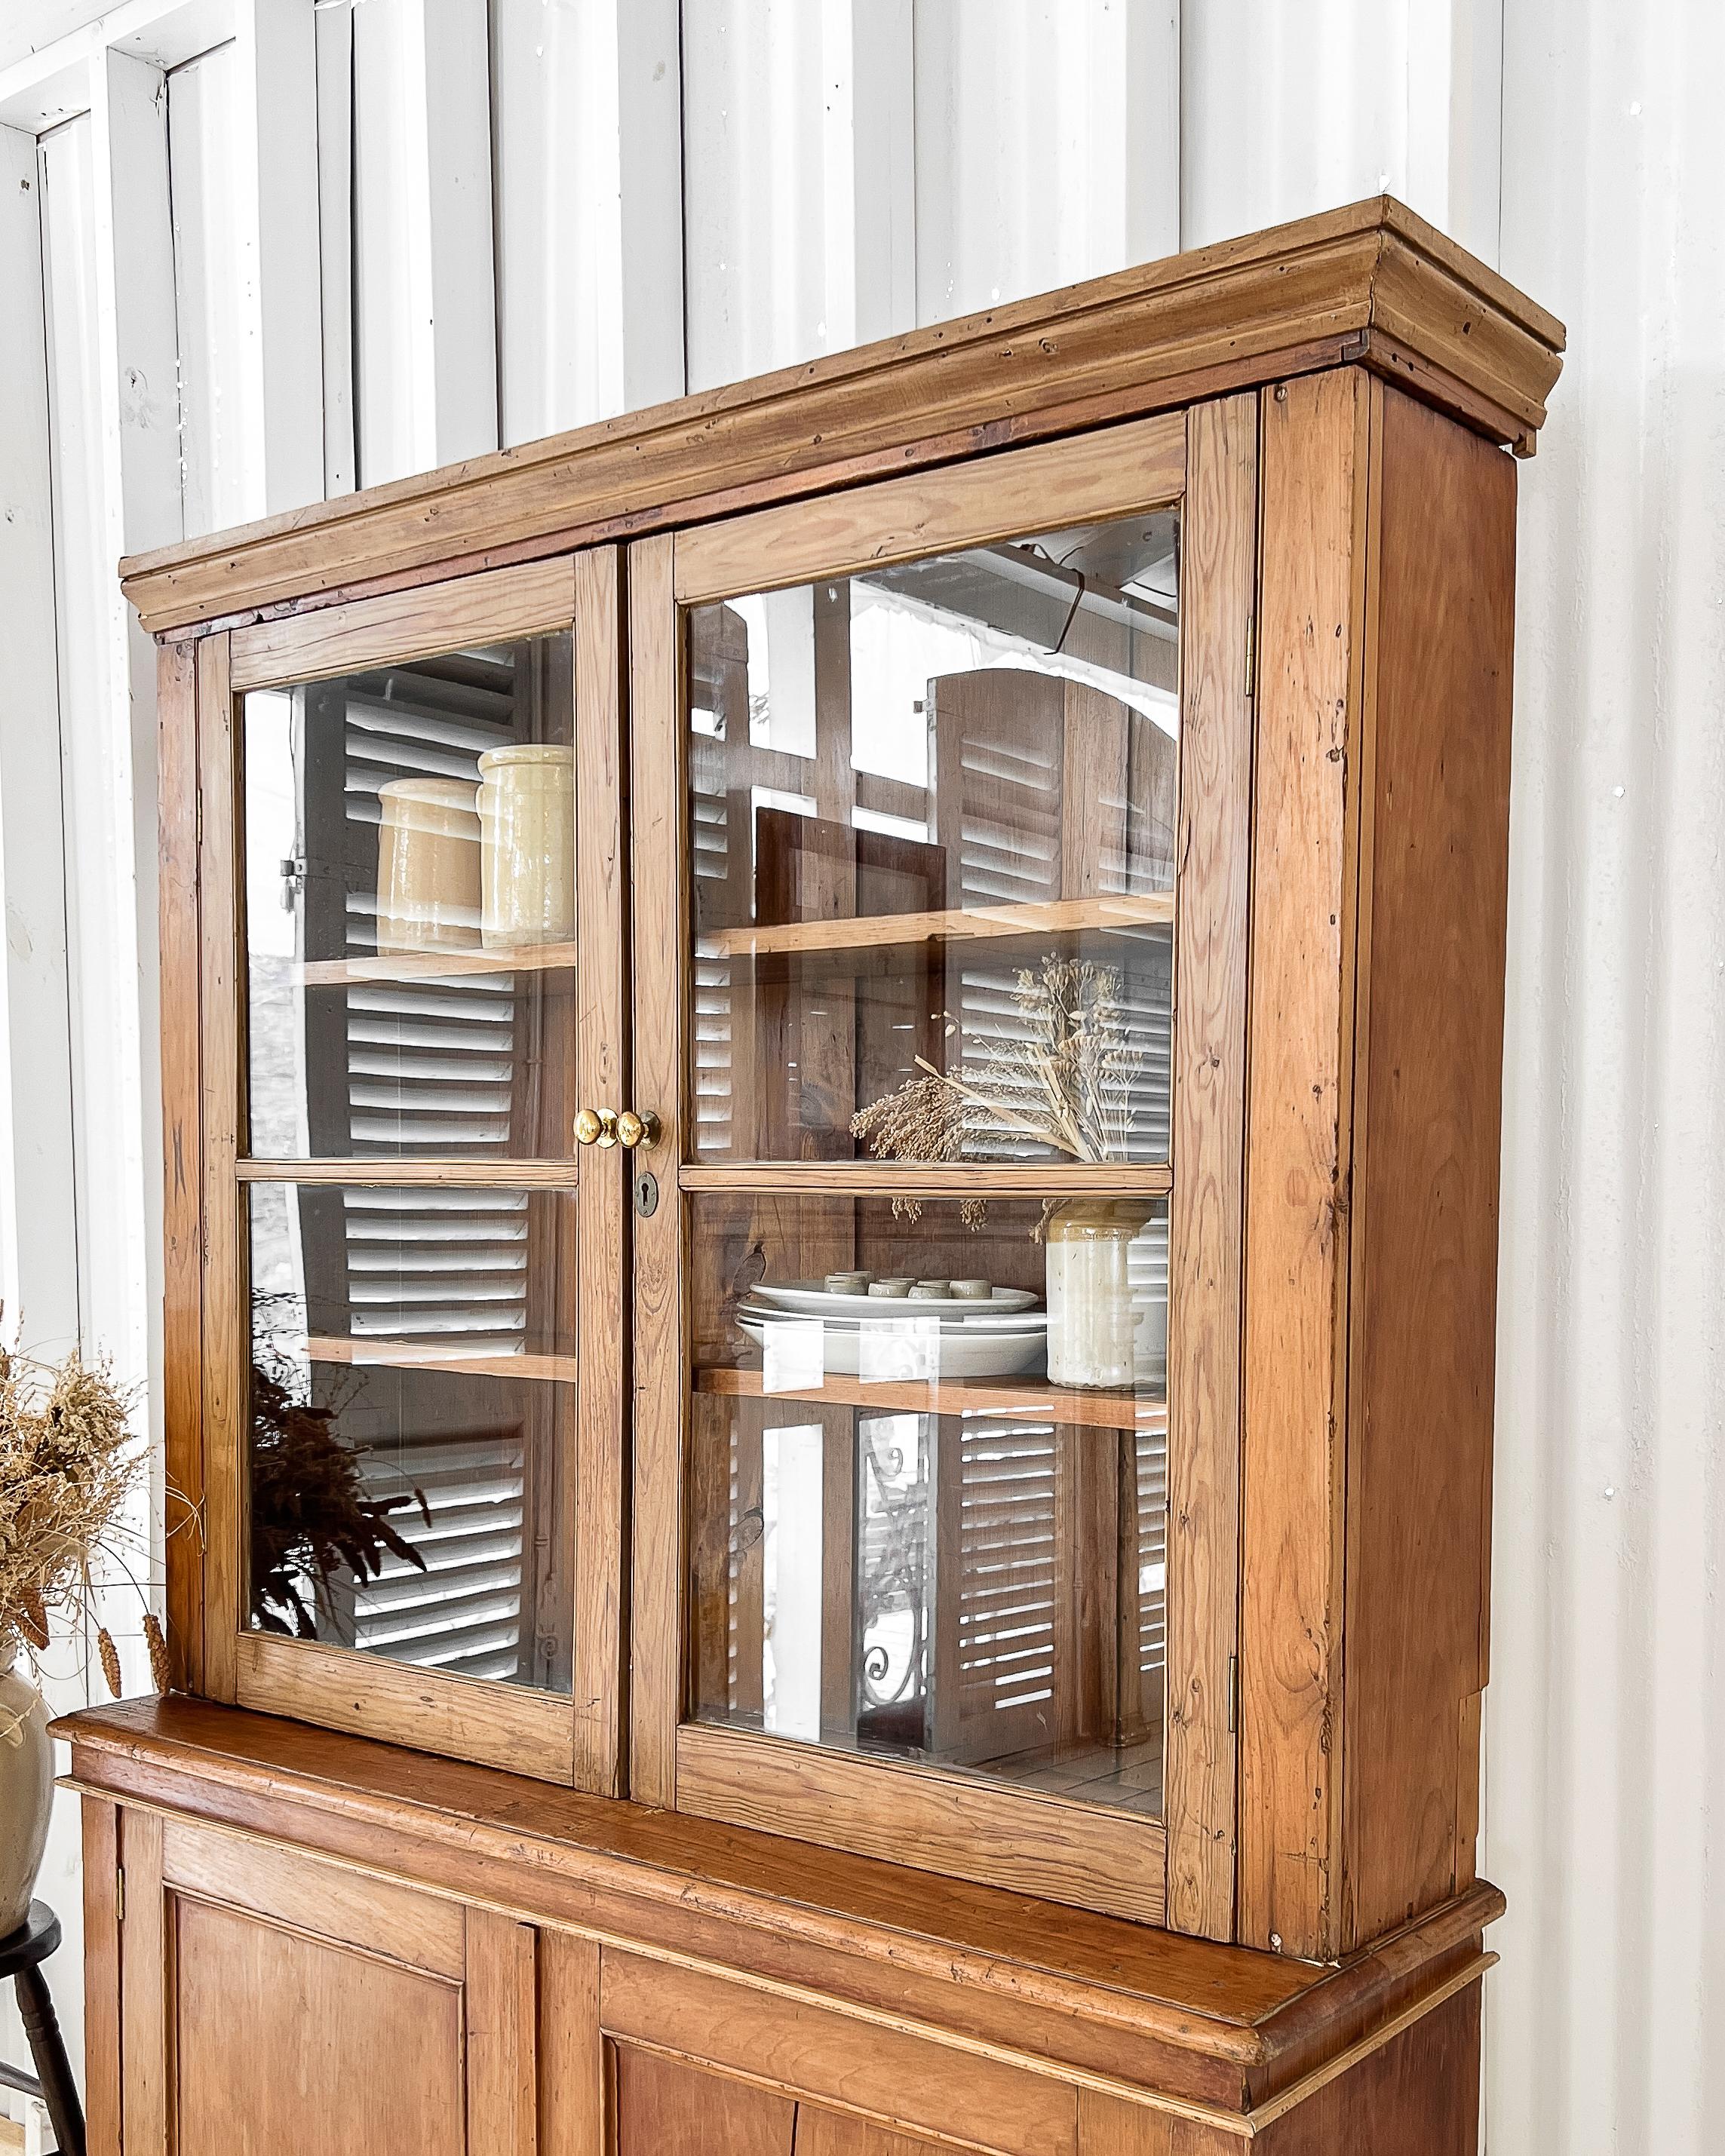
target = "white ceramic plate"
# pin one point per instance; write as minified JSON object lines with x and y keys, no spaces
{"x":814,"y":1301}
{"x":977,"y":1318}
{"x":906,"y":1359}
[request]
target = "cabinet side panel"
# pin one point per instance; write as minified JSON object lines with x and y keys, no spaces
{"x":1313,"y":471}
{"x":1420,"y":2090}
{"x":1428,"y":1086}
{"x":1219,"y":551}
{"x":183,"y":1156}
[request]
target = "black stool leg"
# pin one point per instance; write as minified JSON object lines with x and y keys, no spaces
{"x":47,"y":2048}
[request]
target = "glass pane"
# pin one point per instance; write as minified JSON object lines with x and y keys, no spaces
{"x":411,"y":1485}
{"x":931,"y":1526}
{"x":933,"y":812}
{"x":410,"y":909}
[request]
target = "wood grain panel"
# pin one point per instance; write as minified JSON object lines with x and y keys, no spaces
{"x":226,"y":1350}
{"x":502,"y":2029}
{"x":1427,"y":1095}
{"x":1108,"y":474}
{"x":498,"y":1725}
{"x":285,"y":2043}
{"x":1145,"y":339}
{"x":841,"y":2133}
{"x":146,"y":1984}
{"x":422,"y":1930}
{"x":601,"y":886}
{"x":897,"y":2079}
{"x":570,"y":2047}
{"x":1312,"y":467}
{"x":1035,"y":1844}
{"x":101,"y":1978}
{"x":493,"y":608}
{"x":1108,"y":2125}
{"x":1417,"y":2093}
{"x":1218,"y":546}
{"x":659,"y":945}
{"x":182,"y":1154}
{"x":668,"y":2107}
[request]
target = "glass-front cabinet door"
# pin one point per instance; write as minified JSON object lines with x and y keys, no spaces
{"x":951,"y":1089}
{"x":425,"y":1486}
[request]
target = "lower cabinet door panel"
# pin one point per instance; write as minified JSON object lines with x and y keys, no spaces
{"x":907,"y":2082}
{"x":669,"y":2107}
{"x":282,"y":2042}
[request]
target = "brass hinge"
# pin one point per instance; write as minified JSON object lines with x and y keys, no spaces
{"x":1232,"y":1694}
{"x":1251,"y":655}
{"x":119,"y":1894}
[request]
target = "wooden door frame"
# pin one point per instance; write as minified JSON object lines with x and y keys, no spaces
{"x":1204,"y":462}
{"x":578,"y":1739}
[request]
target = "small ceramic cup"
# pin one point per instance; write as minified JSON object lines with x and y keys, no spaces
{"x":932,"y":1290}
{"x":854,"y":1283}
{"x":974,"y":1290}
{"x":890,"y":1291}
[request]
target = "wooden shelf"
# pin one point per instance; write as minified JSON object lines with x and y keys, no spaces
{"x":1029,"y":1395}
{"x":402,"y":1355}
{"x":922,"y":1179}
{"x":1063,"y":916}
{"x":435,"y":965}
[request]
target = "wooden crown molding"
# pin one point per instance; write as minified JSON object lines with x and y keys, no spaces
{"x":1242,"y":2033}
{"x":1371,"y":284}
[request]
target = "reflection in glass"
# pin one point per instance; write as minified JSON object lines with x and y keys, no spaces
{"x":933,"y":812}
{"x":410,"y":1483}
{"x":909,"y":1539}
{"x":410,"y":908}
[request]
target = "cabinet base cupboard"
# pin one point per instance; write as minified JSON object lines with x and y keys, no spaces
{"x":831,"y":1070}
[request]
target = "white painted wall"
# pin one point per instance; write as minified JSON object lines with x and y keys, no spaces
{"x":250,"y":250}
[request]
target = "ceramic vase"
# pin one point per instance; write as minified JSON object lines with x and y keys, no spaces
{"x":526,"y":812}
{"x":26,"y":1792}
{"x":1093,"y":1319}
{"x":428,"y":865}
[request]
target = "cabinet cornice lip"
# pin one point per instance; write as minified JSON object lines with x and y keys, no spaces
{"x":1288,"y":2020}
{"x":1371,"y":281}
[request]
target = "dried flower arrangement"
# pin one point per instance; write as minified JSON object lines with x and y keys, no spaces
{"x":69,"y":1458}
{"x":312,"y":1521}
{"x":1062,"y":1075}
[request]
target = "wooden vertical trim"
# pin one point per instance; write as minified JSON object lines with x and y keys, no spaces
{"x":602,"y":1191}
{"x":1433,"y":821}
{"x":1207,"y":1211}
{"x":502,"y":2027}
{"x":101,"y":1978}
{"x":225,"y":1357}
{"x":660,"y":944}
{"x":146,"y":1989}
{"x":183,"y":1155}
{"x":571,"y":2047}
{"x":1314,"y":460}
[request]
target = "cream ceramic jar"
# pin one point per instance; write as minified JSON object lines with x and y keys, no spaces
{"x":526,"y":811}
{"x":1092,"y":1321}
{"x":428,"y":865}
{"x":26,"y":1791}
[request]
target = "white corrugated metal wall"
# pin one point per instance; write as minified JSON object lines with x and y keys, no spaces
{"x":251,"y":250}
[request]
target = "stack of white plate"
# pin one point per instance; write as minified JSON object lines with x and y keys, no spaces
{"x":893,"y":1337}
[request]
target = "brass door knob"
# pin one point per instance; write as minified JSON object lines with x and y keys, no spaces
{"x":596,"y":1127}
{"x":634,"y":1130}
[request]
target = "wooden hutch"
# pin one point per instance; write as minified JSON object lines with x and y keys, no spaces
{"x":831,"y":1060}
